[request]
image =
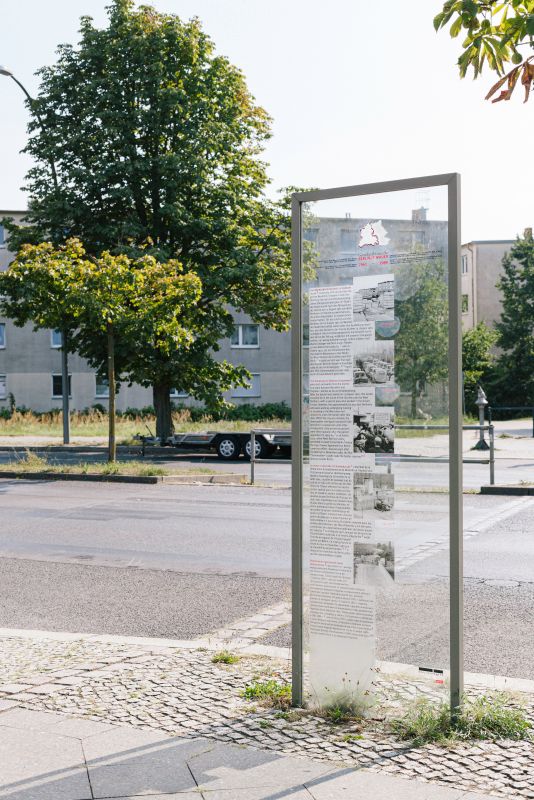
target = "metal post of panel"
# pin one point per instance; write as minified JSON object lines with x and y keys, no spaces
{"x":492,"y":455}
{"x":296,"y":453}
{"x":252,"y":455}
{"x":455,"y":447}
{"x":452,"y":182}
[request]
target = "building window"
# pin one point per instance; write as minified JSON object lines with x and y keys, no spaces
{"x":252,"y":390}
{"x":101,"y":386}
{"x":55,"y":339}
{"x":305,"y":335}
{"x":2,"y":236}
{"x":3,"y":387}
{"x":465,"y":269}
{"x":178,"y":393}
{"x":348,"y":240}
{"x":418,"y":237}
{"x":2,"y":334}
{"x":245,"y":336}
{"x":57,"y":386}
{"x":311,"y":235}
{"x":465,"y":303}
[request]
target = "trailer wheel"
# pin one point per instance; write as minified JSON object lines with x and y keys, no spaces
{"x":263,"y":450}
{"x":228,"y":448}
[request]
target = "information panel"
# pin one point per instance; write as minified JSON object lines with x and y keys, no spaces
{"x":373,"y":309}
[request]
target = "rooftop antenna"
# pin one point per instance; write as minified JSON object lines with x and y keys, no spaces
{"x":422,"y":199}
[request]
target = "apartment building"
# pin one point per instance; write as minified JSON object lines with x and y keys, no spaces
{"x":481,"y":270}
{"x":30,"y":361}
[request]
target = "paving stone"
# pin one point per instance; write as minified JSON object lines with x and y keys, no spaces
{"x":38,"y":766}
{"x":229,"y":767}
{"x":13,"y":688}
{"x":362,"y":785}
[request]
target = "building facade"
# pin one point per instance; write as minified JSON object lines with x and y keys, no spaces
{"x":30,"y":361}
{"x":481,"y":270}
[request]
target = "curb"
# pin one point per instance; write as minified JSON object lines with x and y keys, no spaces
{"x":220,"y":477}
{"x":209,"y":642}
{"x":508,"y":490}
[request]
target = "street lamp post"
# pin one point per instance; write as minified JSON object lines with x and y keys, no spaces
{"x":64,"y":352}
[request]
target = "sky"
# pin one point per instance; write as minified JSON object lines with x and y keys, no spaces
{"x":359,"y":92}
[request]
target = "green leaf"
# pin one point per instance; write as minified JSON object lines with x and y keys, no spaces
{"x":456,"y":27}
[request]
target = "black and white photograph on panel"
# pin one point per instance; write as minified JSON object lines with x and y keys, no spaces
{"x":373,"y":362}
{"x":373,"y":491}
{"x":373,"y":431}
{"x":374,"y":563}
{"x":373,"y":298}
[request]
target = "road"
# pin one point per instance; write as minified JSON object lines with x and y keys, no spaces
{"x":427,"y":474}
{"x":182,"y":561}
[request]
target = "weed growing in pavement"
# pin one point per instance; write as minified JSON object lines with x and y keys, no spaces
{"x":264,"y":723}
{"x":352,"y":737}
{"x":338,"y":714}
{"x":270,"y":693}
{"x":224,"y":657}
{"x":291,"y":716}
{"x":485,"y":717}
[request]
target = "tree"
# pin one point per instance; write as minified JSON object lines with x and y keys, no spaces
{"x":516,"y":326}
{"x":477,"y":358}
{"x":494,"y":31}
{"x":421,"y":343}
{"x":110,"y":304}
{"x":157,"y":144}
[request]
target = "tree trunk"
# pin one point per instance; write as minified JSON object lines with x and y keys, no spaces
{"x":112,"y":448}
{"x":65,"y":386}
{"x":162,"y":405}
{"x":414,"y":399}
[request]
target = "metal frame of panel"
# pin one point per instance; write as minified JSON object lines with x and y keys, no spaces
{"x":452,"y":182}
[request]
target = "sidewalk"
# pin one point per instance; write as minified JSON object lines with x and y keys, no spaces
{"x":96,"y":717}
{"x":53,"y":757}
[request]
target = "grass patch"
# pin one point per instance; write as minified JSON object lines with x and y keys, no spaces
{"x":31,"y":462}
{"x":224,"y":657}
{"x":95,"y":423}
{"x":410,"y":434}
{"x":485,"y":717}
{"x":269,"y":693}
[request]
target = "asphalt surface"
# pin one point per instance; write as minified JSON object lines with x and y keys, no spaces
{"x":181,"y":561}
{"x":427,"y":474}
{"x":45,"y":595}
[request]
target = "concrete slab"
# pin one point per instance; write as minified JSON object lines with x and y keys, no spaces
{"x":79,"y":728}
{"x":231,"y":767}
{"x":127,"y":761}
{"x":38,"y":766}
{"x":267,"y":793}
{"x":361,"y":785}
{"x":24,"y":719}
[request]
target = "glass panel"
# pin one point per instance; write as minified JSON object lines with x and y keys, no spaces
{"x":2,"y":334}
{"x":3,"y":387}
{"x":56,"y":339}
{"x":250,"y":335}
{"x":376,"y":517}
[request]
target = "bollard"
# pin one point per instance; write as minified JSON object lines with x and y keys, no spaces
{"x":492,"y":455}
{"x":252,"y":455}
{"x":481,"y":402}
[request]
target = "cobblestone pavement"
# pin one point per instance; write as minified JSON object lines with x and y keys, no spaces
{"x":180,"y":691}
